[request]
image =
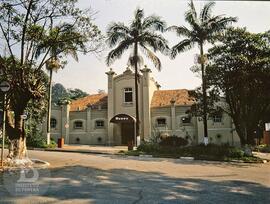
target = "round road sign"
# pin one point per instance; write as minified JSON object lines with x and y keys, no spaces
{"x":24,"y":117}
{"x":4,"y":86}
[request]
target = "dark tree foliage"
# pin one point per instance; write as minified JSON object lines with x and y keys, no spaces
{"x":32,"y":30}
{"x":60,"y":94}
{"x":239,"y":69}
{"x":74,"y":94}
{"x":203,"y":28}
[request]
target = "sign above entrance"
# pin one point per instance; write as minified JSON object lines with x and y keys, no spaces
{"x":122,"y":118}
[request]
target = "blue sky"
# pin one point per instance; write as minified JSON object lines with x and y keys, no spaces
{"x":89,"y":73}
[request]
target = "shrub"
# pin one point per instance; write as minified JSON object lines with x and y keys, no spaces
{"x":173,"y":141}
{"x":263,"y":148}
{"x":149,"y":147}
{"x":37,"y":141}
{"x":209,"y":152}
{"x":236,"y":152}
{"x":52,"y":144}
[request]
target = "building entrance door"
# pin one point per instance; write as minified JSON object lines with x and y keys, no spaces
{"x":127,"y":123}
{"x":127,"y":133}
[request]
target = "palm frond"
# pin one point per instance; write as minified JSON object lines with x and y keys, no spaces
{"x":151,"y":55}
{"x":139,"y":14}
{"x":41,"y":49}
{"x":191,"y":14}
{"x":182,"y":46}
{"x":206,"y":11}
{"x":154,"y":22}
{"x":180,"y":30}
{"x":115,"y":37}
{"x":155,"y":41}
{"x":117,"y":27}
{"x":118,"y":51}
{"x":72,"y":52}
{"x":132,"y":60}
{"x":136,"y":25}
{"x":220,"y":24}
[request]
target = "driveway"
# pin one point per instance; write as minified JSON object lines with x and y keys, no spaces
{"x":85,"y":178}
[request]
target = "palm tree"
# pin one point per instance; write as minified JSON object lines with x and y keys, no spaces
{"x":203,"y":28}
{"x":140,"y":34}
{"x":57,"y":43}
{"x":51,"y":65}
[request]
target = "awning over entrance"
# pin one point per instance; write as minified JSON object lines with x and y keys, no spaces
{"x":122,"y":118}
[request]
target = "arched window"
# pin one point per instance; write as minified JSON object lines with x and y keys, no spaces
{"x":53,"y":123}
{"x":161,"y":122}
{"x":78,"y":124}
{"x":99,"y":124}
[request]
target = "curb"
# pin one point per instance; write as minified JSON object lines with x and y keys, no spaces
{"x":44,"y":163}
{"x":72,"y":151}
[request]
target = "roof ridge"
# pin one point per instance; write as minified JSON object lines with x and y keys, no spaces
{"x":174,"y":89}
{"x":90,"y":95}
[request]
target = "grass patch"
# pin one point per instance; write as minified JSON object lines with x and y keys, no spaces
{"x":133,"y":153}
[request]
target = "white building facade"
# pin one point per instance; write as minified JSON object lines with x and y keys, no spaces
{"x":109,"y":119}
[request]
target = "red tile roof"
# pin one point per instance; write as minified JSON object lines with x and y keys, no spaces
{"x":160,"y":98}
{"x":93,"y":100}
{"x":163,"y":98}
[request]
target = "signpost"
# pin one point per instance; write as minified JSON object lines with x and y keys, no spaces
{"x":4,"y":87}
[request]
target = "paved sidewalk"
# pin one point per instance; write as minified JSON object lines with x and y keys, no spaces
{"x":88,"y":149}
{"x":262,"y":155}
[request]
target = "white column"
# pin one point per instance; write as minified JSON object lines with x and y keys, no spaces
{"x":88,"y":120}
{"x":110,"y":108}
{"x":146,"y":117}
{"x":173,"y":119}
{"x":65,"y":123}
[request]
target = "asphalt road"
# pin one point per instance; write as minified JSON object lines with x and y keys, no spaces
{"x":84,"y":178}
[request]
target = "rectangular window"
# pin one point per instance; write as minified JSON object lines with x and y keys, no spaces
{"x":161,"y":122}
{"x":99,"y":124}
{"x":78,"y":125}
{"x":128,"y":98}
{"x":217,"y":119}
{"x":53,"y":123}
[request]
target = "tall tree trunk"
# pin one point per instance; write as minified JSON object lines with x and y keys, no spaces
{"x":250,"y":135}
{"x":17,"y":137}
{"x":15,"y":128}
{"x":240,"y":131}
{"x":49,"y":109}
{"x":205,"y":129}
{"x":136,"y":91}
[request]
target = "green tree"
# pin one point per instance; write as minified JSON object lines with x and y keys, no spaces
{"x":32,"y":30}
{"x":74,"y":94}
{"x":57,"y":41}
{"x":239,"y":69}
{"x":141,"y":33}
{"x":59,"y":93}
{"x":204,"y":28}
